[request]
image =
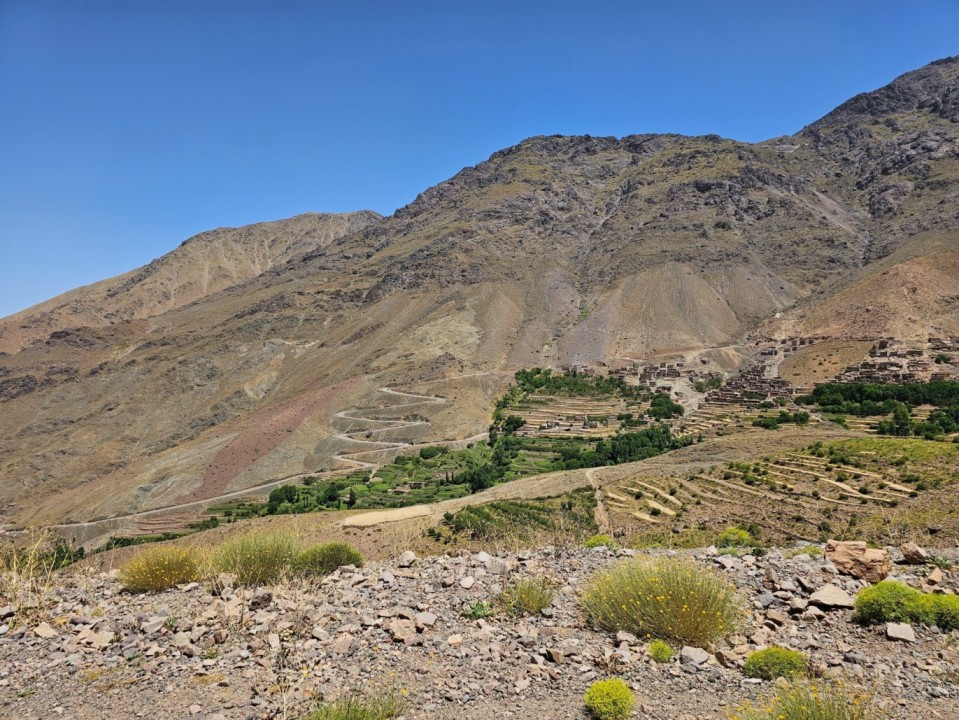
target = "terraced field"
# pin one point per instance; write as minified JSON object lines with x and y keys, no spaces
{"x":861,"y":487}
{"x":717,"y":419}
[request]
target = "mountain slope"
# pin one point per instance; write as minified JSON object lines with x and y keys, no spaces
{"x":203,"y":265}
{"x":557,"y":250}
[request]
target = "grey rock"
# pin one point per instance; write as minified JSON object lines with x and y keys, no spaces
{"x":900,"y":631}
{"x":262,"y":598}
{"x":831,"y":596}
{"x":694,"y":655}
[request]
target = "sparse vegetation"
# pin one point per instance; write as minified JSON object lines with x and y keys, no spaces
{"x":257,"y":558}
{"x":667,"y":598}
{"x":564,"y":519}
{"x":380,"y":706}
{"x":160,"y":567}
{"x":324,"y":558}
{"x":527,"y":596}
{"x":609,"y":700}
{"x":775,"y":662}
{"x":27,"y":571}
{"x":800,"y":700}
{"x":601,"y":541}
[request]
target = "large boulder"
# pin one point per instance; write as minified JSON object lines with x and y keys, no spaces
{"x":913,"y":554}
{"x":854,"y":558}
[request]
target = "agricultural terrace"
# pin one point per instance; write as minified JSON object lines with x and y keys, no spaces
{"x":875,"y":488}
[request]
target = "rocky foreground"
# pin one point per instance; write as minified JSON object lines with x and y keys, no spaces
{"x":273,"y":652}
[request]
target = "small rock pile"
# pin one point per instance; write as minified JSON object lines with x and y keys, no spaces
{"x":215,"y":650}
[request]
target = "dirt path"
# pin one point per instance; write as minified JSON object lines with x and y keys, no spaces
{"x":600,"y":514}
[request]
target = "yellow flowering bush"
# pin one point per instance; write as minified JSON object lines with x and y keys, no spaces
{"x":257,"y":558}
{"x":667,"y":598}
{"x":161,"y":567}
{"x":805,"y":701}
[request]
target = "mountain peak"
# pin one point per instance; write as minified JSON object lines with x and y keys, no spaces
{"x":933,"y":88}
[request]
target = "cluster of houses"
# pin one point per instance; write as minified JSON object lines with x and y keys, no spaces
{"x":751,"y":387}
{"x":890,"y":361}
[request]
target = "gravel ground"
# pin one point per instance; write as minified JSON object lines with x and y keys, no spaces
{"x":273,"y":652}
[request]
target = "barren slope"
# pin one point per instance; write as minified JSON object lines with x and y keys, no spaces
{"x":203,"y":265}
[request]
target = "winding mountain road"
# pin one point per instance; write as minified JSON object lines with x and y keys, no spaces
{"x":350,"y":458}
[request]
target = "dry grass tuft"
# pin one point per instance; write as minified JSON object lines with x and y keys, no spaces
{"x":527,"y":596}
{"x":28,"y":574}
{"x":380,"y":706}
{"x":161,"y":567}
{"x":257,"y":558}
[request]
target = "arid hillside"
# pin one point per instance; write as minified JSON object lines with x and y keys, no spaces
{"x":203,"y":265}
{"x":229,"y":363}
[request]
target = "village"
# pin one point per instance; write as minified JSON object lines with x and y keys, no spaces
{"x":709,"y":394}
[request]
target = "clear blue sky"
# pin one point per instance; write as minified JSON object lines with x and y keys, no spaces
{"x":127,"y":126}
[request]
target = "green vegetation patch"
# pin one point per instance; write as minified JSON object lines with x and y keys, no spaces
{"x":775,"y":662}
{"x":897,"y":401}
{"x":893,"y":601}
{"x":609,"y":700}
{"x":660,"y":651}
{"x":564,"y":517}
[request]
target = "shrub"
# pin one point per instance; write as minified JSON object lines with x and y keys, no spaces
{"x":609,"y":700}
{"x":669,"y":598}
{"x":735,"y":537}
{"x":325,"y":558}
{"x":479,"y":609}
{"x":801,"y":701}
{"x":660,"y":651}
{"x":892,"y":601}
{"x":258,"y":557}
{"x":775,"y":662}
{"x":527,"y":596}
{"x":601,"y":541}
{"x":355,"y":707}
{"x":159,"y":568}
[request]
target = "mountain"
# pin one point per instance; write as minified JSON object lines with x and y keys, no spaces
{"x":166,"y":386}
{"x":203,"y":265}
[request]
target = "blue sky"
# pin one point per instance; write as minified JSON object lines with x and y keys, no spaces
{"x":128,"y":126}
